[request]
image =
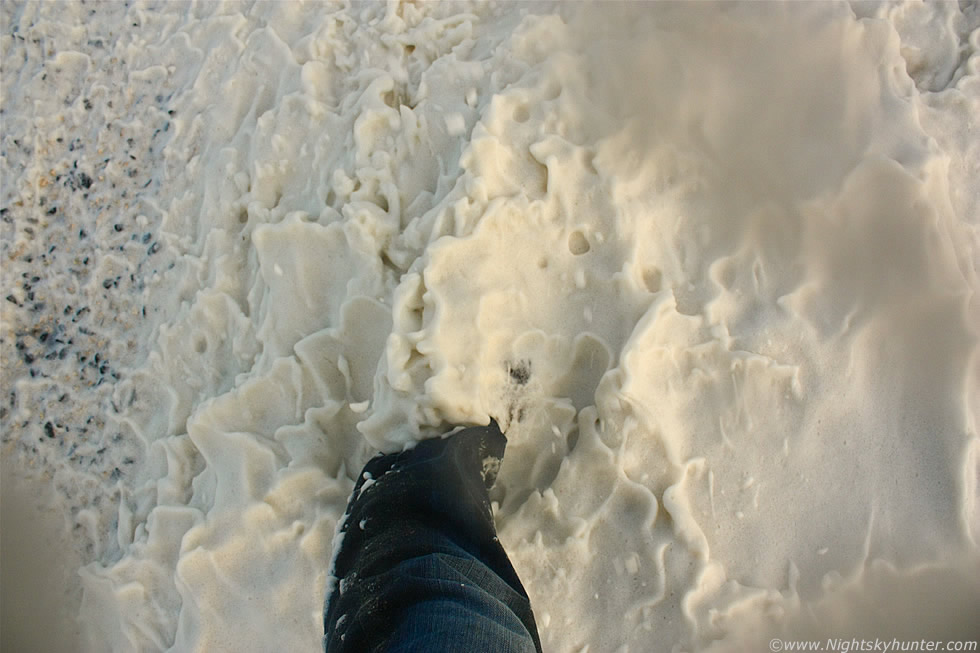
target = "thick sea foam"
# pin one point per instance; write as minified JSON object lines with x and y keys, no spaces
{"x":713,"y":268}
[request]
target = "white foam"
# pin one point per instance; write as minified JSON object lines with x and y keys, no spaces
{"x":712,"y":267}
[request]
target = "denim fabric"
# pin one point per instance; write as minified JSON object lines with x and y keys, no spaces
{"x":419,"y":566}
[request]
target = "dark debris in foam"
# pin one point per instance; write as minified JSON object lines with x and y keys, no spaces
{"x":519,"y":371}
{"x":72,"y":195}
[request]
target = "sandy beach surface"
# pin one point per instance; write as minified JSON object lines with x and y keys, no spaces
{"x":713,"y":267}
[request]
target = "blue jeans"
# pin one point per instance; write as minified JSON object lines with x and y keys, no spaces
{"x":418,"y":565}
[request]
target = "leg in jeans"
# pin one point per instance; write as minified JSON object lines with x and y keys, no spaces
{"x":419,"y":566}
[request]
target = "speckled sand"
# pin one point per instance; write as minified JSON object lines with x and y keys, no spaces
{"x":713,"y":267}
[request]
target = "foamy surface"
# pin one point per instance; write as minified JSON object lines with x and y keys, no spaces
{"x":712,"y":267}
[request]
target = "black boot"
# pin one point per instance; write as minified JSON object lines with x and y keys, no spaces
{"x":428,"y":501}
